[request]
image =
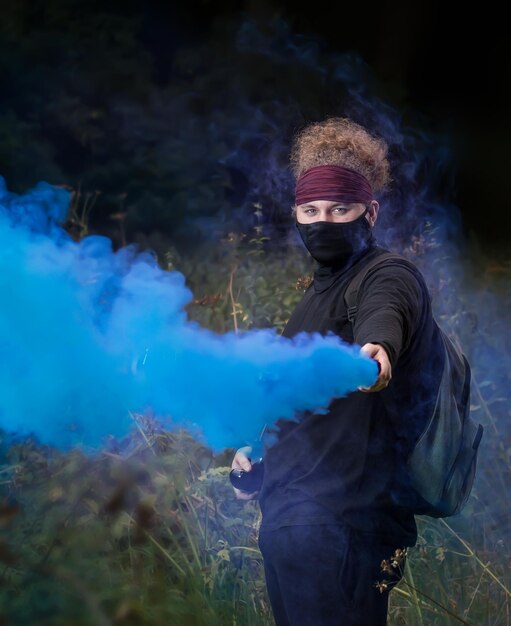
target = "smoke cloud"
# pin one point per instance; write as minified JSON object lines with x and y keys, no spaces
{"x":89,"y":335}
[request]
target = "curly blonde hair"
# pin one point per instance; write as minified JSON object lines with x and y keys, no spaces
{"x":340,"y":141}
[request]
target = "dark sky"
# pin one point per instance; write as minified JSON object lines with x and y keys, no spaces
{"x":450,"y":68}
{"x":453,"y":68}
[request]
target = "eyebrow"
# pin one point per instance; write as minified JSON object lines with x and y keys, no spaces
{"x":340,"y":205}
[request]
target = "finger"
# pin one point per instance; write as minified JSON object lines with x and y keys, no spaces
{"x":378,"y":386}
{"x":369,"y":348}
{"x":384,"y":370}
{"x":240,"y":461}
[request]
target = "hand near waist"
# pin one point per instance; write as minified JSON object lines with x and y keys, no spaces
{"x":242,"y":461}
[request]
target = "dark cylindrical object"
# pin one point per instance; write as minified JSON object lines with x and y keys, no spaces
{"x":248,"y":481}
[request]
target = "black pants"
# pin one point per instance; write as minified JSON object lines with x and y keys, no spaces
{"x":326,"y":575}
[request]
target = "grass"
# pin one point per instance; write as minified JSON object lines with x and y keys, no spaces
{"x":145,"y":532}
{"x":148,"y":532}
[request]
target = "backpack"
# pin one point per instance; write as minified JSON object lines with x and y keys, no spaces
{"x":442,"y":463}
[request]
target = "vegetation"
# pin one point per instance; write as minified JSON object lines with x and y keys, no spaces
{"x":148,"y":532}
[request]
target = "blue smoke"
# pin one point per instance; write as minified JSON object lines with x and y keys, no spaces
{"x":89,"y":336}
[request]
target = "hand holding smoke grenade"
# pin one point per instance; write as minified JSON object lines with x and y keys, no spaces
{"x":248,"y":481}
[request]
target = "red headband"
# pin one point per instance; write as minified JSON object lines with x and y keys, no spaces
{"x":332,"y":182}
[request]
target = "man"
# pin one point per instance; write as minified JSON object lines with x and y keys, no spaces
{"x":335,"y":499}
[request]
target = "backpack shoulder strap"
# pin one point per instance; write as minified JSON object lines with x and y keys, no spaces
{"x":351,"y":293}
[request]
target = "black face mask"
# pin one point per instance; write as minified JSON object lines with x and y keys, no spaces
{"x":336,"y":243}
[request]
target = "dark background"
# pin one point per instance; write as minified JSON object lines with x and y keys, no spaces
{"x":80,"y":80}
{"x":450,"y":63}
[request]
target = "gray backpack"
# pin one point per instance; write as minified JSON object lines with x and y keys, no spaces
{"x":442,"y":463}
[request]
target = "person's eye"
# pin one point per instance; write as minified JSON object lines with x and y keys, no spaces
{"x":341,"y":210}
{"x":312,"y":211}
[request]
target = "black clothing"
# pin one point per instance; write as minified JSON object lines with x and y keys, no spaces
{"x":347,"y":466}
{"x":345,"y":568}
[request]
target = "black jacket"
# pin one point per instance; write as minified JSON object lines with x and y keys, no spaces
{"x":349,"y":464}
